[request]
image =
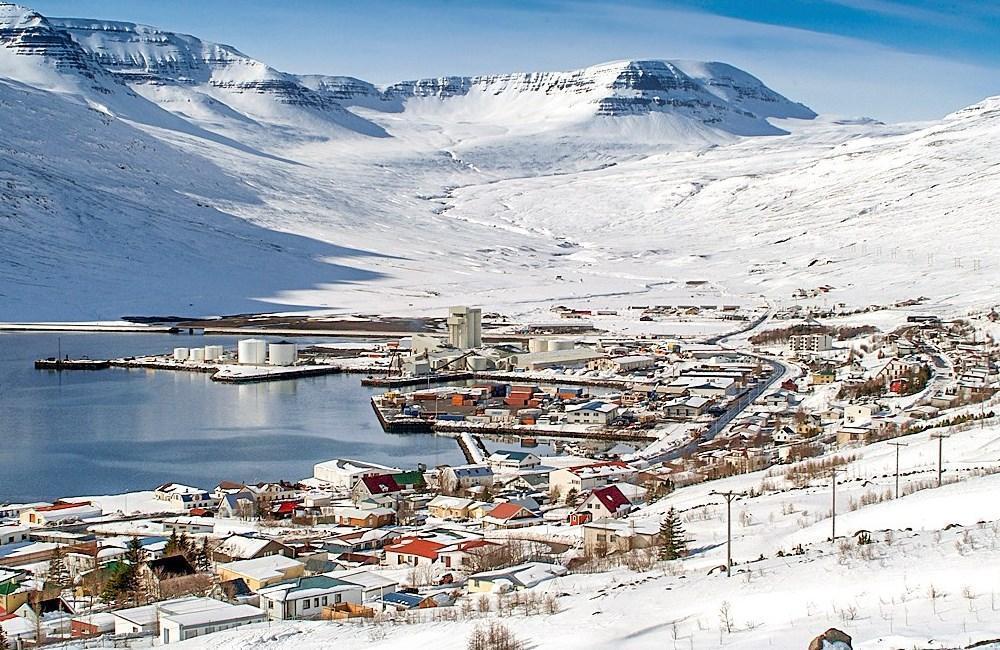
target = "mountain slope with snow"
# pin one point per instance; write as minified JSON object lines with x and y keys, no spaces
{"x":513,"y":191}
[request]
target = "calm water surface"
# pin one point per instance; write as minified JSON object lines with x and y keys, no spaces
{"x":101,"y":432}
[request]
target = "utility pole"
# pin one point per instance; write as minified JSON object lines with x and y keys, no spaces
{"x":940,"y":438}
{"x":833,"y":508}
{"x":729,"y":496}
{"x":897,"y":445}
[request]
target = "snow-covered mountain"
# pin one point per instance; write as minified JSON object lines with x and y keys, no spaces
{"x":146,"y":171}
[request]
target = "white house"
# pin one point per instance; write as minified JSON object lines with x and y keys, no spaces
{"x":188,"y":618}
{"x":593,"y":412}
{"x":13,"y":534}
{"x":510,"y":462}
{"x":588,"y":477}
{"x":59,"y":512}
{"x":467,"y":476}
{"x":344,"y":473}
{"x":189,"y":525}
{"x":305,"y":598}
{"x":373,"y":586}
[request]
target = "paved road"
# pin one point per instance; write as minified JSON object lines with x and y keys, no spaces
{"x":778,"y":370}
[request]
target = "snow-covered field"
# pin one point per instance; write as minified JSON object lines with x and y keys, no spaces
{"x":248,"y":189}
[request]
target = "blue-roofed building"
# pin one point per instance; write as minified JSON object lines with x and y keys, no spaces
{"x":463,"y":477}
{"x":402,"y":601}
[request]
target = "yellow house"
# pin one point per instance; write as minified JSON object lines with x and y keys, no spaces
{"x":263,"y":571}
{"x":445,"y":507}
{"x":823,"y":377}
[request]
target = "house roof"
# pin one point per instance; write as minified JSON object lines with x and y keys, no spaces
{"x":62,"y":506}
{"x":414,"y":477}
{"x":171,"y":566}
{"x":400,"y":598}
{"x":600,"y":469}
{"x":471,"y":471}
{"x":444,"y":501}
{"x":611,"y":498}
{"x":510,"y":455}
{"x":413,"y":546}
{"x":262,"y":568}
{"x":598,"y":406}
{"x":362,"y":578}
{"x":509,"y":510}
{"x":239,"y":546}
{"x":524,"y":575}
{"x":381,"y":484}
{"x":307,"y":587}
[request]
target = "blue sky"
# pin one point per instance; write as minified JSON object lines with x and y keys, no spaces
{"x":889,"y":59}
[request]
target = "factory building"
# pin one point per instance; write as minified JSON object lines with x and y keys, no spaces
{"x":465,"y":327}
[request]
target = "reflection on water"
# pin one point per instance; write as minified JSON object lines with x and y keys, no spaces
{"x":100,"y":432}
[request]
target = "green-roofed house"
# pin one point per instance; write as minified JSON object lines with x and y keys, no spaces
{"x":305,"y":598}
{"x":413,"y":480}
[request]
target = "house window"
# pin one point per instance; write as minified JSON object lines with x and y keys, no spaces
{"x":315,"y":602}
{"x":324,"y":600}
{"x":337,"y":599}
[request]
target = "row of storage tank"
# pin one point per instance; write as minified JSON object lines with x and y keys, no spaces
{"x":550,"y":345}
{"x":251,"y":352}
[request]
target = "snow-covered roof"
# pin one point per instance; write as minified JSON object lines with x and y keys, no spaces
{"x":262,"y":568}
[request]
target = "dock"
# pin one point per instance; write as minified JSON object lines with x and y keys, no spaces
{"x":492,"y":375}
{"x":401,"y":424}
{"x":402,"y":382}
{"x":533,"y":432}
{"x":88,"y":327}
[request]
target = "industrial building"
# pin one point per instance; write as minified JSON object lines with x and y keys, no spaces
{"x":573,"y":358}
{"x":465,"y":327}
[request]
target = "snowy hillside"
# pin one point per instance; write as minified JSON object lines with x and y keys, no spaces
{"x":927,"y":579}
{"x":515,"y":191}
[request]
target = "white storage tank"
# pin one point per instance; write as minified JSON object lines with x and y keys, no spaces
{"x":197,"y":355}
{"x":561,"y":344}
{"x":478,"y":363}
{"x":282,"y":353}
{"x":181,"y":354}
{"x":214,"y":352}
{"x":252,"y":352}
{"x":538,"y":345}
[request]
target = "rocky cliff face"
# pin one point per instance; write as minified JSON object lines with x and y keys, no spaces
{"x":707,"y":90}
{"x":127,"y":55}
{"x":26,"y":33}
{"x":139,"y":54}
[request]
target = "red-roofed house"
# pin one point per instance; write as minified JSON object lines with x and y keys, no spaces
{"x":510,"y":515}
{"x":603,"y":503}
{"x":412,"y":551}
{"x":370,"y":486}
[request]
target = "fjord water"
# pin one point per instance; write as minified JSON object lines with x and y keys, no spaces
{"x":77,"y":433}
